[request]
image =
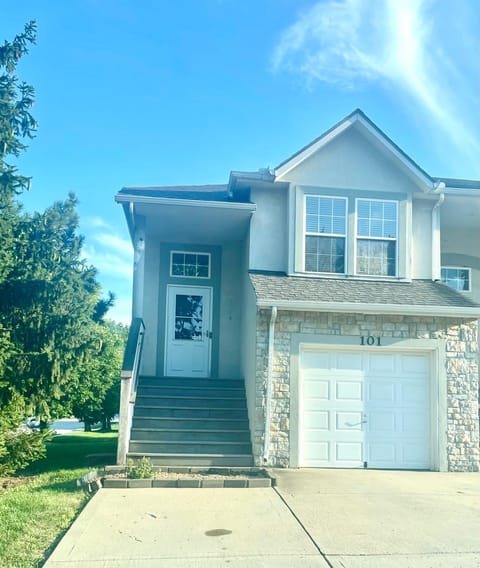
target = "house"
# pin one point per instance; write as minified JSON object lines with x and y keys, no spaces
{"x":323,"y":314}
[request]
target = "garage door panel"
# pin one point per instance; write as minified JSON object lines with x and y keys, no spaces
{"x":366,"y":407}
{"x":315,"y":404}
{"x":414,"y":394}
{"x":319,"y":420}
{"x":413,"y":422}
{"x":381,"y":453}
{"x":317,"y":388}
{"x":349,"y":390}
{"x":414,"y":364}
{"x":349,"y":362}
{"x":316,"y":360}
{"x":348,"y":421}
{"x":381,"y":392}
{"x":348,"y":452}
{"x":381,"y":364}
{"x":381,"y":422}
{"x":415,"y":454}
{"x":318,"y":453}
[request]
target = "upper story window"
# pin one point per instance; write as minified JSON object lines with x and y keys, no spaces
{"x":457,"y":278}
{"x":377,"y":234}
{"x":325,"y":233}
{"x":190,"y":264}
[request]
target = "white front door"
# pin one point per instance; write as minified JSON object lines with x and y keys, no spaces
{"x":364,"y":409}
{"x":188,"y":331}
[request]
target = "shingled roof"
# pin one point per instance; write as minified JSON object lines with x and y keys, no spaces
{"x":211,"y":192}
{"x":283,"y":290}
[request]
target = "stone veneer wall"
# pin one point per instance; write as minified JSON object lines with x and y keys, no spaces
{"x":461,"y":371}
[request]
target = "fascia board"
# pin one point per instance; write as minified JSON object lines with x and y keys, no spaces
{"x":462,"y":191}
{"x":353,"y":307}
{"x":185,"y":202}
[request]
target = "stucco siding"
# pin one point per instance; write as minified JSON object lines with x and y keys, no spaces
{"x":230,"y":311}
{"x":350,"y":161}
{"x":150,"y":304}
{"x":422,"y":239}
{"x":268,"y":230}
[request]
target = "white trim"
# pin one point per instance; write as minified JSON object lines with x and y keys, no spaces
{"x":467,"y":268}
{"x":172,"y":252}
{"x":185,"y":202}
{"x":396,"y":239}
{"x":359,"y":308}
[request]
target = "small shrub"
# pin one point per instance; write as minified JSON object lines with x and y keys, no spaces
{"x":19,"y":445}
{"x":140,"y":470}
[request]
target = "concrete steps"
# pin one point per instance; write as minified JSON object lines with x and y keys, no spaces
{"x":191,"y":422}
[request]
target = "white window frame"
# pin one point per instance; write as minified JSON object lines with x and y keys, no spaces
{"x":396,"y":239}
{"x":172,"y":252}
{"x":469,"y":270}
{"x":334,"y":235}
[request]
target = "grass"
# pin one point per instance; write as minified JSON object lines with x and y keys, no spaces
{"x":37,"y":510}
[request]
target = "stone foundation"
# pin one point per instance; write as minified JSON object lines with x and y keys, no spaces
{"x":461,"y":368}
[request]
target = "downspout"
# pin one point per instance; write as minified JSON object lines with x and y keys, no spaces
{"x":268,"y":402}
{"x":436,"y":253}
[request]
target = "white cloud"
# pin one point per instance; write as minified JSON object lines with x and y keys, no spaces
{"x":95,"y":222}
{"x":112,"y":241}
{"x":419,"y":48}
{"x":109,"y":263}
{"x":112,"y":256}
{"x":122,"y":310}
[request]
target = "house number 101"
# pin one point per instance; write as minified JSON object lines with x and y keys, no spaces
{"x":370,"y":340}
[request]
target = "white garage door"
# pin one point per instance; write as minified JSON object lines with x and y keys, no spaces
{"x":364,"y":409}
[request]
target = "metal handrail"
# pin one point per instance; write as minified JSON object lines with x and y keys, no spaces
{"x":129,"y":382}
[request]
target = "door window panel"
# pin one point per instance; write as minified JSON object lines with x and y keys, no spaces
{"x":188,"y":317}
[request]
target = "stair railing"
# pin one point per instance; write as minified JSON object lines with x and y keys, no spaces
{"x":128,"y":390}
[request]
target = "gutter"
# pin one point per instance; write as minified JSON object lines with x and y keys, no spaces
{"x":268,"y":402}
{"x":356,"y":307}
{"x":185,"y":202}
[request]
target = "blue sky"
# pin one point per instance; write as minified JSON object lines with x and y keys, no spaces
{"x":145,"y":92}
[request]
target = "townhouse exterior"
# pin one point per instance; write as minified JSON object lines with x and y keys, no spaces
{"x":340,"y":292}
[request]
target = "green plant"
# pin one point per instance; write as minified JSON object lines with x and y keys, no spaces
{"x":142,"y":469}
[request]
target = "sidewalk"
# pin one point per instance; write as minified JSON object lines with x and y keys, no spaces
{"x":185,"y":527}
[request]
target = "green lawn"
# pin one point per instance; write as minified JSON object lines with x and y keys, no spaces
{"x":36,"y":512}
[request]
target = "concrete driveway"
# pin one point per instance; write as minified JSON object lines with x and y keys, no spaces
{"x":388,"y":519}
{"x":314,"y":518}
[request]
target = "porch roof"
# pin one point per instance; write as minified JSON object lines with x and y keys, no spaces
{"x":209,"y":192}
{"x":422,"y":297}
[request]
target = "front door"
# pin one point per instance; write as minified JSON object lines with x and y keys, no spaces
{"x":188,"y":331}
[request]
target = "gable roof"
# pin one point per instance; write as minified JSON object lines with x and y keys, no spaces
{"x":334,"y":294}
{"x":359,"y":118}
